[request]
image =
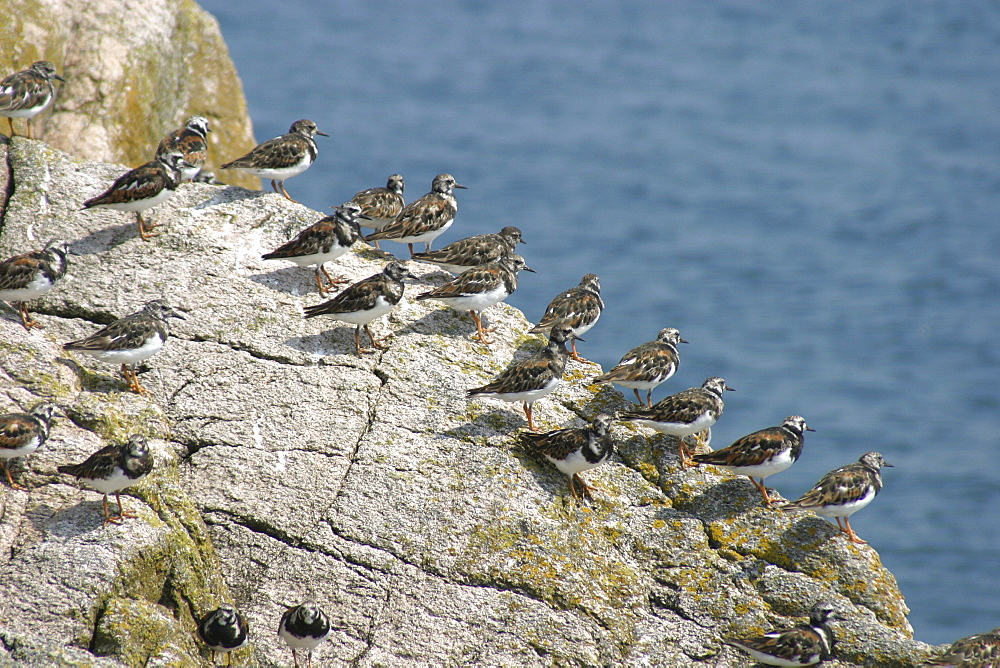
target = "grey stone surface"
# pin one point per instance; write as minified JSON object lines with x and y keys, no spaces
{"x":371,"y":485}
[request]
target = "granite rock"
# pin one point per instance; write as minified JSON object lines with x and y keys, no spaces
{"x":289,"y":469}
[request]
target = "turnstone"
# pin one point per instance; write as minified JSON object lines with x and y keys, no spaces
{"x":575,"y":450}
{"x":464,"y":254}
{"x":425,"y":219}
{"x":191,"y":141}
{"x":223,"y":630}
{"x":684,"y":414}
{"x":381,"y":205}
{"x":27,"y":93}
{"x":762,"y":453}
{"x":283,"y":157}
{"x":364,"y":301}
{"x":480,"y":288}
{"x":844,"y":491}
{"x":981,"y":650}
{"x":531,"y":379}
{"x":646,"y":366}
{"x":143,"y":188}
{"x":23,"y":433}
{"x":31,"y":275}
{"x":578,"y":308}
{"x":804,"y":645}
{"x":303,"y":627}
{"x":130,"y":340}
{"x":325,"y":240}
{"x":113,"y":468}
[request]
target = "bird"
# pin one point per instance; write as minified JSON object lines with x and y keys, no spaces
{"x":479,"y":288}
{"x":191,"y":141}
{"x":573,"y":450}
{"x":113,"y":468}
{"x":803,"y":645}
{"x":143,"y":188}
{"x":381,"y":205}
{"x":27,"y":93}
{"x":464,"y":254}
{"x":647,"y":366}
{"x":579,"y":308}
{"x":323,"y":241}
{"x":531,"y":379}
{"x":364,"y":301}
{"x":424,"y":219}
{"x":32,"y":274}
{"x":303,"y":627}
{"x":283,"y":157}
{"x":686,"y":413}
{"x":844,"y":491}
{"x":223,"y":630}
{"x":981,"y":650}
{"x":762,"y":453}
{"x":130,"y":340}
{"x":23,"y":433}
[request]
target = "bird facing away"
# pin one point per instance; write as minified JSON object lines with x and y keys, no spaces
{"x":143,"y":188}
{"x":981,"y":650}
{"x":23,"y":433}
{"x":27,"y":93}
{"x":844,"y":491}
{"x":323,"y":241}
{"x":531,"y":379}
{"x":303,"y":627}
{"x":480,"y":288}
{"x":762,"y":453}
{"x":130,"y":340}
{"x":113,"y":468}
{"x":381,"y":205}
{"x":647,"y":366}
{"x":578,"y":308}
{"x":686,"y":413}
{"x":283,"y":157}
{"x":191,"y":141}
{"x":364,"y":301}
{"x":804,"y":645}
{"x":31,"y":275}
{"x":223,"y":630}
{"x":425,"y":219}
{"x":573,"y":451}
{"x":464,"y":254}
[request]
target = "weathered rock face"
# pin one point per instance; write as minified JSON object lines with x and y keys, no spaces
{"x":371,"y":486}
{"x":134,"y":71}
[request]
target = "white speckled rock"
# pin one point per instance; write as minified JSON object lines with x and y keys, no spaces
{"x":370,"y":485}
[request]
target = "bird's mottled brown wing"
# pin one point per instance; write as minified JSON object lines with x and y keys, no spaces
{"x":140,"y":183}
{"x":98,"y":465}
{"x":474,"y":281}
{"x":556,"y":444}
{"x":848,"y":483}
{"x":23,"y":90}
{"x":379,"y":203}
{"x":17,"y":430}
{"x":358,"y":297}
{"x":750,"y":450}
{"x":576,"y":307}
{"x":128,"y":333}
{"x":19,"y":271}
{"x":788,"y":644}
{"x":428,"y":213}
{"x":977,"y":651}
{"x":278,"y":153}
{"x":684,"y":406}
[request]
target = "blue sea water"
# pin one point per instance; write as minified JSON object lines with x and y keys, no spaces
{"x":809,"y":191}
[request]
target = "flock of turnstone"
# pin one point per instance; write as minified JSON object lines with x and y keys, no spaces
{"x":486,"y":272}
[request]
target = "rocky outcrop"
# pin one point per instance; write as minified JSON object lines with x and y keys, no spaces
{"x":289,"y":469}
{"x":134,"y":71}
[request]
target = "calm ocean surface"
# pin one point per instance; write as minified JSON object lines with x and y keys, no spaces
{"x":810,"y":192}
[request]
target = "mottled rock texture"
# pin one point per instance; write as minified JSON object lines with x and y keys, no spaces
{"x":134,"y":71}
{"x":289,"y":469}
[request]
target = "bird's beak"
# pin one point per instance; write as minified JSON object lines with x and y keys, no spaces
{"x":56,"y":76}
{"x":527,"y":268}
{"x":682,"y":340}
{"x":810,"y":429}
{"x":322,"y":134}
{"x":462,"y":187}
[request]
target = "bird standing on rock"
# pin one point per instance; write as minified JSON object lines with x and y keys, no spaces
{"x":425,"y":219}
{"x":283,"y":157}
